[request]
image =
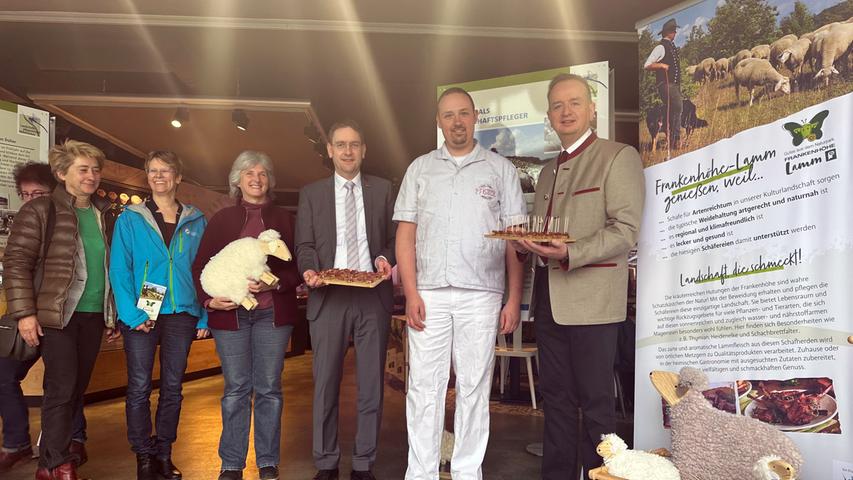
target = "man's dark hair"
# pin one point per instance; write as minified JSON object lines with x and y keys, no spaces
{"x":34,"y":172}
{"x":346,"y":124}
{"x":459,"y":90}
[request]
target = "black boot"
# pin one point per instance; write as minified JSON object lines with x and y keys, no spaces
{"x":145,"y":468}
{"x":167,"y":469}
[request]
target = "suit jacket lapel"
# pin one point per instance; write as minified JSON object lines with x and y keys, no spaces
{"x":331,"y":224}
{"x":369,"y":209}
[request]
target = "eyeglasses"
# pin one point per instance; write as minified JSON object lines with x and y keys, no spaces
{"x":165,"y":172}
{"x":344,"y":145}
{"x":34,"y":194}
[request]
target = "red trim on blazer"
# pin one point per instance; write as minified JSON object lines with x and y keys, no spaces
{"x":600,"y":265}
{"x":587,"y":190}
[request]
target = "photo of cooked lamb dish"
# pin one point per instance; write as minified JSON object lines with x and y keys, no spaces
{"x":798,"y":404}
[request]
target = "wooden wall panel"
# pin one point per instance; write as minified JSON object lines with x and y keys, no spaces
{"x":111,"y":368}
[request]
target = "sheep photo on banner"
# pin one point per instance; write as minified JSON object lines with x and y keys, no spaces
{"x":746,"y":249}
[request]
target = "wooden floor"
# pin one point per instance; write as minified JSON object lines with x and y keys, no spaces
{"x":195,"y":452}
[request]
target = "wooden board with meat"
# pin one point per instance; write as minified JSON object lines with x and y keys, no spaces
{"x":351,"y":278}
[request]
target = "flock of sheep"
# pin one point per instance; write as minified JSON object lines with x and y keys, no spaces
{"x":823,"y":50}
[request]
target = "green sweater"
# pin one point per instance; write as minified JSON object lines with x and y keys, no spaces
{"x":93,"y":245}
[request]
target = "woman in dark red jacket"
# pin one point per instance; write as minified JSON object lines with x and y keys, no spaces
{"x":251,"y":344}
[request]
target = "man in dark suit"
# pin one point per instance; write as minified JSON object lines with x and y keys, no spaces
{"x":345,"y":222}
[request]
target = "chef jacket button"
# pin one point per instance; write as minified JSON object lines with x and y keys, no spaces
{"x":546,"y":196}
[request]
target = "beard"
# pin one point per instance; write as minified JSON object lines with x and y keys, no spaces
{"x":458,"y":138}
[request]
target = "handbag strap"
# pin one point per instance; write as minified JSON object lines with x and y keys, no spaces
{"x":45,"y":244}
{"x":48,"y":230}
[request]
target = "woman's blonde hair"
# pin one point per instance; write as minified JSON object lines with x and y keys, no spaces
{"x":61,"y":157}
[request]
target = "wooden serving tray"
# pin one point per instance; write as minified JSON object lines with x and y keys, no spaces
{"x":533,"y":238}
{"x":331,"y":280}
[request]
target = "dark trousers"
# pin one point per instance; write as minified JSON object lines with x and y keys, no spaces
{"x":357,"y":312}
{"x":13,"y":406}
{"x":69,"y":356}
{"x":576,"y":375}
{"x":670,"y":95}
{"x":174,"y":334}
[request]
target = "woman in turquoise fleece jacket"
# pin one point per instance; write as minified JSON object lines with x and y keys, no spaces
{"x":156,"y":243}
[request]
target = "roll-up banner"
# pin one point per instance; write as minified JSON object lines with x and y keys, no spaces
{"x":745,"y":260}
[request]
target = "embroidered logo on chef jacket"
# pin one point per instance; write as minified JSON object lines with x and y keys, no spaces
{"x":486,"y":192}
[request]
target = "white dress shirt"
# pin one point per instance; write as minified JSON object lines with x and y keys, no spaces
{"x":364,"y":263}
{"x":656,"y":56}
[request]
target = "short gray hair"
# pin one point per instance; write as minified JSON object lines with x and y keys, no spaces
{"x":563,"y":77}
{"x":245,"y":161}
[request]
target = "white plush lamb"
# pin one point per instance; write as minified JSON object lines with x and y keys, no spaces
{"x":633,"y":464}
{"x":772,"y":467}
{"x":228,"y":272}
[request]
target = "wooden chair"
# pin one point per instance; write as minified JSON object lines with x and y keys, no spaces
{"x":519,"y":350}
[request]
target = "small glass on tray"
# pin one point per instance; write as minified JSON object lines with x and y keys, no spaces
{"x":535,"y":229}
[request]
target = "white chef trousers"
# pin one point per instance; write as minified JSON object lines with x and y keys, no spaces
{"x":460,"y":327}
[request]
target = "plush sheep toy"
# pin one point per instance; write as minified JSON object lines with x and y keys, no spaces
{"x":772,"y":467}
{"x":710,"y":444}
{"x":228,"y":272}
{"x":631,"y":464}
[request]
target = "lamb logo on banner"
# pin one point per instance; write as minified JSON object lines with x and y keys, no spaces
{"x":810,"y":131}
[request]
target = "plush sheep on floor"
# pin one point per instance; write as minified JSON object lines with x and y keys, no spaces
{"x":631,"y":464}
{"x":228,"y":272}
{"x":772,"y":467}
{"x":710,"y":444}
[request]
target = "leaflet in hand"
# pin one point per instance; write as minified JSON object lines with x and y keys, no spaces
{"x":151,"y":299}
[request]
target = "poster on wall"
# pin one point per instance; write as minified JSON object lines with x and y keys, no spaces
{"x":513,"y":121}
{"x":746,"y":248}
{"x":24,"y":137}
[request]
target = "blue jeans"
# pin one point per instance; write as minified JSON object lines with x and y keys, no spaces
{"x":13,"y":407}
{"x":174,"y":334}
{"x":252,"y":360}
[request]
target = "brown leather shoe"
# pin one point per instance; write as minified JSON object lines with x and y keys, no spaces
{"x":42,"y":474}
{"x":79,"y":449}
{"x":9,"y":459}
{"x":66,"y":471}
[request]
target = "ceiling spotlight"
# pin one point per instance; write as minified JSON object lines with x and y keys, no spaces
{"x":182,"y":116}
{"x":240,"y":119}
